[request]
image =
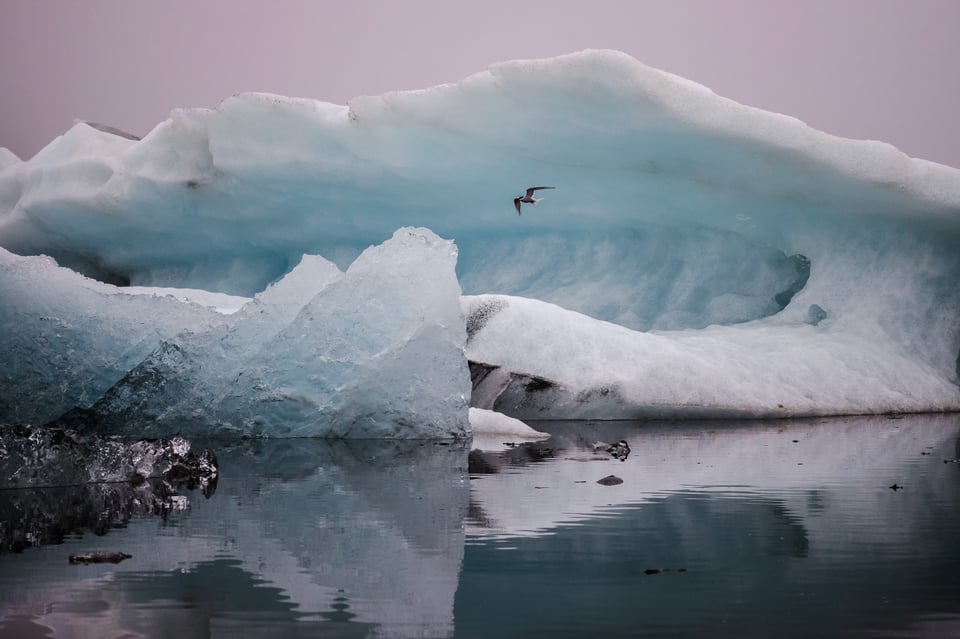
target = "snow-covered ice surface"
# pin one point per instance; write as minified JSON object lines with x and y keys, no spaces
{"x":559,"y":364}
{"x":697,"y":258}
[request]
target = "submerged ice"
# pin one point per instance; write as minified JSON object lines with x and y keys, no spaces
{"x":697,"y":257}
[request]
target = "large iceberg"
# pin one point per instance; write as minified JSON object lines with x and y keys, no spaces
{"x":698,"y":257}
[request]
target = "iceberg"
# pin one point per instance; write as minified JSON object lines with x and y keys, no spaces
{"x":375,"y":352}
{"x":697,"y":258}
{"x":67,"y":338}
{"x":575,"y":367}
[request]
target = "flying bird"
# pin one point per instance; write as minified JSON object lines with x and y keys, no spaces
{"x":528,"y":198}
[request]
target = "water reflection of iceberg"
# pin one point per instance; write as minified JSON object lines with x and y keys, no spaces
{"x":362,"y":534}
{"x":718,"y":530}
{"x":817,"y":470}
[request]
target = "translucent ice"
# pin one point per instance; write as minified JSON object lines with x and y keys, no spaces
{"x":377,"y":354}
{"x":374,"y":352}
{"x":65,"y":339}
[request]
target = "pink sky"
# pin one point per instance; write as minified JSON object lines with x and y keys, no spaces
{"x":879,"y":69}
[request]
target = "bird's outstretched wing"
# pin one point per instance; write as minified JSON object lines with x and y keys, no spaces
{"x":516,"y":203}
{"x":537,"y":188}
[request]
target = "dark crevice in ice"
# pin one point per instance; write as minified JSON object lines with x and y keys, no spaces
{"x":112,"y":130}
{"x":93,"y":267}
{"x":801,"y":265}
{"x":490,"y":382}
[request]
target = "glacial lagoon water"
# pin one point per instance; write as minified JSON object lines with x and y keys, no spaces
{"x":828,"y":528}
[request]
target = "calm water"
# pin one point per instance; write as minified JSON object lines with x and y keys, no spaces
{"x":724,"y":530}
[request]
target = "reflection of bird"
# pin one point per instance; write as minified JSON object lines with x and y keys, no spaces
{"x":528,"y":198}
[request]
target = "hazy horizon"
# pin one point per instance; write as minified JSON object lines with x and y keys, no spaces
{"x":873,"y":69}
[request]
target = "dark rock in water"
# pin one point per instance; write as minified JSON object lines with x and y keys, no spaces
{"x":610,"y":480}
{"x":99,"y":558}
{"x":620,"y":450}
{"x":657,"y":571}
